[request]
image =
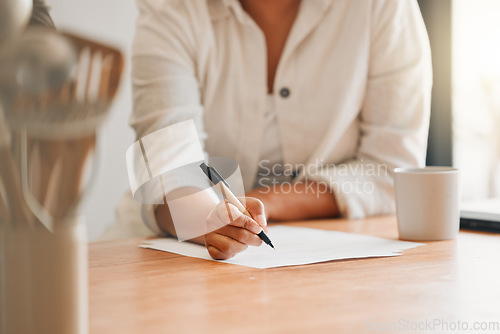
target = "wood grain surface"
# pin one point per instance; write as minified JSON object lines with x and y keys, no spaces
{"x":135,"y":290}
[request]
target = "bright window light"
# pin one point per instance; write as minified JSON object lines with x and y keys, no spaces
{"x":476,"y":96}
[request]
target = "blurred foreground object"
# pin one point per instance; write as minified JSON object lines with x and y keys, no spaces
{"x":40,"y":15}
{"x":14,"y":15}
{"x":56,"y":90}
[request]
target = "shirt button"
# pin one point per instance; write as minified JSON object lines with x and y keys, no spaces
{"x":284,"y":92}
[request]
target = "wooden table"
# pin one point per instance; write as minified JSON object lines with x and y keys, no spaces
{"x":456,"y":283}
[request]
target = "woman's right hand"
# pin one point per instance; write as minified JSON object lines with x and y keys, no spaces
{"x":234,"y":231}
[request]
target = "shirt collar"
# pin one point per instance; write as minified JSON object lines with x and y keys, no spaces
{"x":220,"y":9}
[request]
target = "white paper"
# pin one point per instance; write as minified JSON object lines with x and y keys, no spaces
{"x":295,"y":246}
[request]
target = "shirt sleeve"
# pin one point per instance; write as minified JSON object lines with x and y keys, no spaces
{"x":394,"y":119}
{"x":165,"y":86}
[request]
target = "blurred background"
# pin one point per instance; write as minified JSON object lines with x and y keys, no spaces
{"x":465,"y":121}
{"x":476,"y":95}
{"x":465,"y":124}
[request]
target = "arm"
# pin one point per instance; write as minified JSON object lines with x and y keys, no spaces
{"x":308,"y":200}
{"x":164,"y":218}
{"x":393,"y":124}
{"x":167,"y":91}
{"x":394,"y":119}
{"x":165,"y":88}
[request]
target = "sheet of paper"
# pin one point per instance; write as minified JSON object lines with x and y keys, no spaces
{"x":295,"y":246}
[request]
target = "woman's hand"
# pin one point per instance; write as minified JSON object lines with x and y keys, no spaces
{"x":234,"y":231}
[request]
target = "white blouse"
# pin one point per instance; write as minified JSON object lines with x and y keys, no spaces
{"x":351,"y":92}
{"x":271,"y":151}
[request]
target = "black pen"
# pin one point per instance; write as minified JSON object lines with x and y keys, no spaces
{"x":223,"y":187}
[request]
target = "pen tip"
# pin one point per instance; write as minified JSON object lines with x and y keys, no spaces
{"x":270,"y":244}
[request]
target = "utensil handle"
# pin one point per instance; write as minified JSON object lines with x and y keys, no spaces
{"x":16,"y":204}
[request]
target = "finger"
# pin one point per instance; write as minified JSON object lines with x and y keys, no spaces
{"x":229,"y":213}
{"x":216,"y":219}
{"x":221,"y":216}
{"x":216,"y":254}
{"x":241,"y":235}
{"x":257,"y":210}
{"x":224,"y":244}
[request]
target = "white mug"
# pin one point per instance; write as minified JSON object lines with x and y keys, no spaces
{"x":427,"y":202}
